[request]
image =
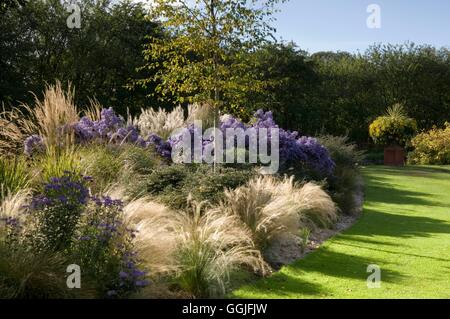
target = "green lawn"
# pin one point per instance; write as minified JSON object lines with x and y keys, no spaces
{"x":404,"y":229}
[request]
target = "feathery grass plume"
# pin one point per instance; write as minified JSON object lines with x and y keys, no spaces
{"x":155,"y":237}
{"x":15,"y":126}
{"x":13,"y":204}
{"x":27,"y":274}
{"x":55,"y":113}
{"x":161,"y":122}
{"x":94,"y":110}
{"x":271,"y":207}
{"x":202,"y":112}
{"x":266,"y":206}
{"x":199,"y":250}
{"x":14,"y":175}
{"x":49,"y":118}
{"x":315,"y":205}
{"x":210,"y":246}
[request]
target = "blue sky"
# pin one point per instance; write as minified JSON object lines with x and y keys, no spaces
{"x":323,"y":25}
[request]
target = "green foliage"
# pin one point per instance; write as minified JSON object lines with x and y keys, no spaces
{"x":173,"y":184}
{"x":343,"y":186}
{"x":431,"y":147}
{"x":346,"y":180}
{"x":304,"y":237}
{"x":54,"y":163}
{"x":393,"y":128}
{"x":204,"y":54}
{"x":99,"y":59}
{"x":14,"y":175}
{"x":27,"y":274}
{"x":340,"y":93}
{"x":342,"y":151}
{"x":288,"y":76}
{"x":103,"y":163}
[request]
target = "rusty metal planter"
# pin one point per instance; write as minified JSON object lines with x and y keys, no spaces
{"x":394,"y":155}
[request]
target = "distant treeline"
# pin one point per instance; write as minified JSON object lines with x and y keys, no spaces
{"x":334,"y":93}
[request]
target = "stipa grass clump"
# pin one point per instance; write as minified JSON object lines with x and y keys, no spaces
{"x":210,"y":246}
{"x":195,"y":251}
{"x":27,"y":274}
{"x":271,"y":207}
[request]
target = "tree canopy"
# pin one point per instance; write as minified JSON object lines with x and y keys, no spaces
{"x":205,"y":52}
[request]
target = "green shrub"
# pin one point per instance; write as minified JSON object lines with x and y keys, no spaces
{"x":342,"y":151}
{"x":432,"y":147}
{"x":14,"y":175}
{"x":393,"y":128}
{"x":172,"y":185}
{"x":103,"y":164}
{"x":118,"y":164}
{"x":343,"y":186}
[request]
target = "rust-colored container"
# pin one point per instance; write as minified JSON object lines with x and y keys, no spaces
{"x":394,"y":155}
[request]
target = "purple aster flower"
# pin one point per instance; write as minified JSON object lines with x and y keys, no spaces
{"x":32,"y":144}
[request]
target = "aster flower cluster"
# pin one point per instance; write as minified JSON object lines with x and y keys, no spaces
{"x":296,"y":150}
{"x":69,"y":190}
{"x":109,"y":123}
{"x":103,"y":232}
{"x":111,"y":127}
{"x":131,"y":276}
{"x":162,"y":147}
{"x":57,"y":209}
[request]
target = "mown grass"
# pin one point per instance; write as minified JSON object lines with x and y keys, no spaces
{"x":404,"y":229}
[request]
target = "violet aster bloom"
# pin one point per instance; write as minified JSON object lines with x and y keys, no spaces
{"x":32,"y":144}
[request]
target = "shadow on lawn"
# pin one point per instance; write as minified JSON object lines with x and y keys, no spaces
{"x":414,"y":171}
{"x":384,"y":190}
{"x":387,"y":224}
{"x":395,"y":252}
{"x":289,"y":282}
{"x":286,"y":286}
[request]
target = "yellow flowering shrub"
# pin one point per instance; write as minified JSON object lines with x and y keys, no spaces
{"x":386,"y":130}
{"x":432,"y":147}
